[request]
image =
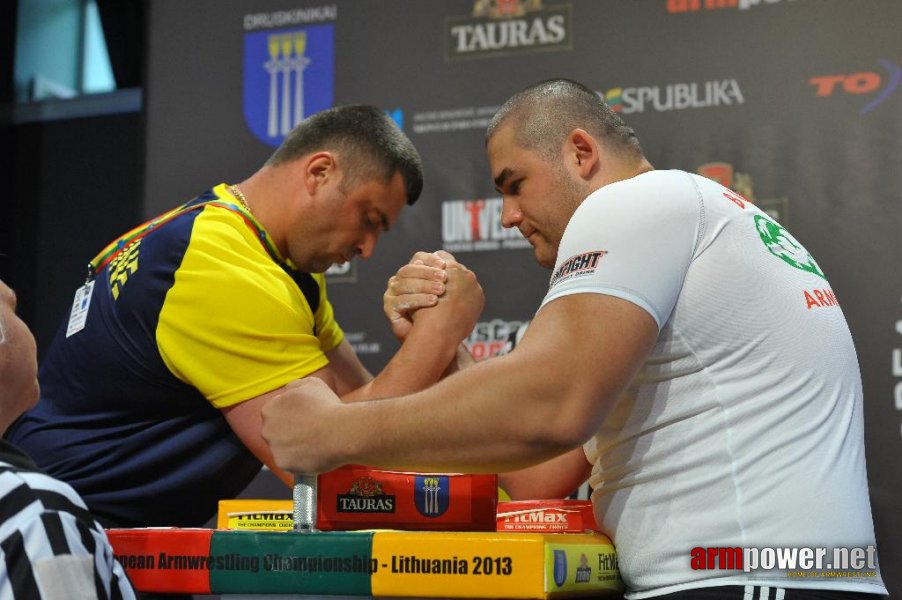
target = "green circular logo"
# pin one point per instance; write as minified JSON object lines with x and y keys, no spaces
{"x":782,"y":245}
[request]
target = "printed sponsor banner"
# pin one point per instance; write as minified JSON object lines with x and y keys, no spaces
{"x":552,"y":516}
{"x":817,"y":130}
{"x":505,"y":27}
{"x":475,"y":226}
{"x":492,"y":338}
{"x":574,"y":565}
{"x":869,"y":84}
{"x":259,"y":515}
{"x":342,"y":273}
{"x":361,"y":344}
{"x":684,"y":6}
{"x":335,"y":563}
{"x":674,"y":96}
{"x":724,"y":174}
{"x":897,"y":368}
{"x":378,"y":564}
{"x":357,"y":497}
{"x":453,"y":119}
{"x":484,"y":565}
{"x":170,"y":562}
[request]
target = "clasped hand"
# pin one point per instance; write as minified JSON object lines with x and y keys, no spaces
{"x":305,"y":424}
{"x":433,"y":280}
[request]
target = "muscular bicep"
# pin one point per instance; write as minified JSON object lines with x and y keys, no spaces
{"x":344,"y":373}
{"x":245,"y":420}
{"x":583,"y":349}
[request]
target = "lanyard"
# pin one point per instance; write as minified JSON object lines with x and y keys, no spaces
{"x":305,"y":282}
{"x":112,"y":250}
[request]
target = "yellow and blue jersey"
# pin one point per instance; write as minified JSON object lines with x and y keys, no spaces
{"x":194,"y":315}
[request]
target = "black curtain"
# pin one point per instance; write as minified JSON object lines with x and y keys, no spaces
{"x":7,"y":67}
{"x":123,"y":27}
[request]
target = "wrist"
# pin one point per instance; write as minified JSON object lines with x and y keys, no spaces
{"x":348,"y":440}
{"x":336,"y":441}
{"x":434,"y":340}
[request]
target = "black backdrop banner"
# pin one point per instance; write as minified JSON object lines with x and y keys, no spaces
{"x":796,"y":104}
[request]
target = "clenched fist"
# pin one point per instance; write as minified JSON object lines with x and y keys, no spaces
{"x":296,"y":427}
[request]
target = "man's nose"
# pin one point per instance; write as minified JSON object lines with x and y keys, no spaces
{"x":366,"y":247}
{"x":510,"y":213}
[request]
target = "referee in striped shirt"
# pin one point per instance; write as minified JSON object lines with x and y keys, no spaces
{"x":50,"y":546}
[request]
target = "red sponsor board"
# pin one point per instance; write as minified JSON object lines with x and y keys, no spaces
{"x":546,"y":516}
{"x":164,"y":560}
{"x":357,"y":497}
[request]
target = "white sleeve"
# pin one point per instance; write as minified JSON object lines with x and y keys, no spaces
{"x":633,"y":239}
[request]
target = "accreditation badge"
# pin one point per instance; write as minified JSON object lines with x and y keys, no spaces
{"x":80,"y":305}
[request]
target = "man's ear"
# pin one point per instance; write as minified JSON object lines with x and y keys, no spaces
{"x":582,"y":149}
{"x":319,"y":168}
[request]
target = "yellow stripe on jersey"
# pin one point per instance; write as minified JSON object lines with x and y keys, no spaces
{"x":235,"y":325}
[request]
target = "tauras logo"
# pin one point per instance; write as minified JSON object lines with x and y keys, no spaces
{"x":581,"y":264}
{"x":499,"y":27}
{"x":674,"y":96}
{"x":366,"y":496}
{"x":382,"y":504}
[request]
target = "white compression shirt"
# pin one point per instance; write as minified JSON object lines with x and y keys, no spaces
{"x":744,"y":426}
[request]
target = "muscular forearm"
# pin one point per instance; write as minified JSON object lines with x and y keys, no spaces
{"x":420,"y":362}
{"x":471,"y":422}
{"x":513,"y":411}
{"x":505,"y":414}
{"x":461,"y":361}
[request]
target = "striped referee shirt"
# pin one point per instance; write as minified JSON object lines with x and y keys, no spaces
{"x":50,"y":545}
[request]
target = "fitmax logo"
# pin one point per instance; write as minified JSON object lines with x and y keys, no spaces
{"x":864,"y":82}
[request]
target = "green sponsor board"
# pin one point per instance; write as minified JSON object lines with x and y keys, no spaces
{"x":337,"y":563}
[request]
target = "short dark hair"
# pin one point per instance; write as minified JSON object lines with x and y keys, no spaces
{"x":546,"y":112}
{"x":368,"y":140}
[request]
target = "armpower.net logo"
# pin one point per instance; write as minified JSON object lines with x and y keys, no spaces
{"x":797,"y":561}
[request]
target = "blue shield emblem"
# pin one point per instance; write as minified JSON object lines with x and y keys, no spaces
{"x":431,"y":494}
{"x":560,"y":567}
{"x":289,"y":74}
